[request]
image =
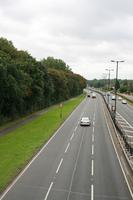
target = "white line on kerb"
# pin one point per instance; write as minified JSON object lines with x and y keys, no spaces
{"x":48,"y":191}
{"x":92,"y":150}
{"x":92,"y":192}
{"x":67,"y":147}
{"x":92,"y":167}
{"x":72,"y":136}
{"x":59,"y":166}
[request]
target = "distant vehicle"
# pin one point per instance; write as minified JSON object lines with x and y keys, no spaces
{"x":93,"y":95}
{"x":113,"y":97}
{"x":88,"y":95}
{"x":119,"y":98}
{"x":85,"y":121}
{"x":108,"y":94}
{"x":124,"y":101}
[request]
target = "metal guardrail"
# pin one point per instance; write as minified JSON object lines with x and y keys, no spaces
{"x":127,"y":140}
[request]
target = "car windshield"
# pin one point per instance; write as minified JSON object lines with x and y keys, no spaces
{"x":85,"y":119}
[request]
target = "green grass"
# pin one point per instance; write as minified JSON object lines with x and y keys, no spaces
{"x":19,"y":146}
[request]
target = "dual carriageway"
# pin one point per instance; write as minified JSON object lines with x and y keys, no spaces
{"x":77,"y":163}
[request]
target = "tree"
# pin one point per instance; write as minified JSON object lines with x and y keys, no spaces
{"x":58,"y":64}
{"x":27,"y":85}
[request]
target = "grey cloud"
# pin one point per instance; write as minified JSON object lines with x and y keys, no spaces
{"x":85,"y":33}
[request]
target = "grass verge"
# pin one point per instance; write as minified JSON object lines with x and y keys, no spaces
{"x":19,"y":146}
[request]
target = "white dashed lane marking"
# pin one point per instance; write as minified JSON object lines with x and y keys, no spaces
{"x":92,"y":138}
{"x":92,"y":192}
{"x":92,"y":167}
{"x":48,"y":191}
{"x":92,"y":150}
{"x":67,"y":147}
{"x":59,"y":165}
{"x":72,"y":136}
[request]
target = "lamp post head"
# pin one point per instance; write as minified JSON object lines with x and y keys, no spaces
{"x":117,"y":61}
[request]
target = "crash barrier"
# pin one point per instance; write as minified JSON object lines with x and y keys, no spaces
{"x":128,"y":140}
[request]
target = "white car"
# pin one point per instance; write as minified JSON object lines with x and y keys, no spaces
{"x":93,"y":95}
{"x":113,"y":97}
{"x":124,"y":101}
{"x":85,"y":121}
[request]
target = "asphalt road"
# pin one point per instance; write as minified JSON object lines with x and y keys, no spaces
{"x":126,"y":110}
{"x":78,"y":163}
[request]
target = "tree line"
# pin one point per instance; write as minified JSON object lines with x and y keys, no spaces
{"x":124,"y":86}
{"x":28,"y":85}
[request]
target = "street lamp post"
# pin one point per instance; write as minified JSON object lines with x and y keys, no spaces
{"x":109,"y":70}
{"x":117,"y":62}
{"x":104,"y":78}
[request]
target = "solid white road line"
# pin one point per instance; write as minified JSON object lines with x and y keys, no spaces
{"x":48,"y":191}
{"x":67,"y":147}
{"x":92,"y":150}
{"x":72,"y":136}
{"x":92,"y":192}
{"x":59,"y":166}
{"x":92,"y":167}
{"x":93,"y":129}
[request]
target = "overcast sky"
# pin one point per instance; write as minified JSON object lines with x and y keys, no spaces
{"x":86,"y":34}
